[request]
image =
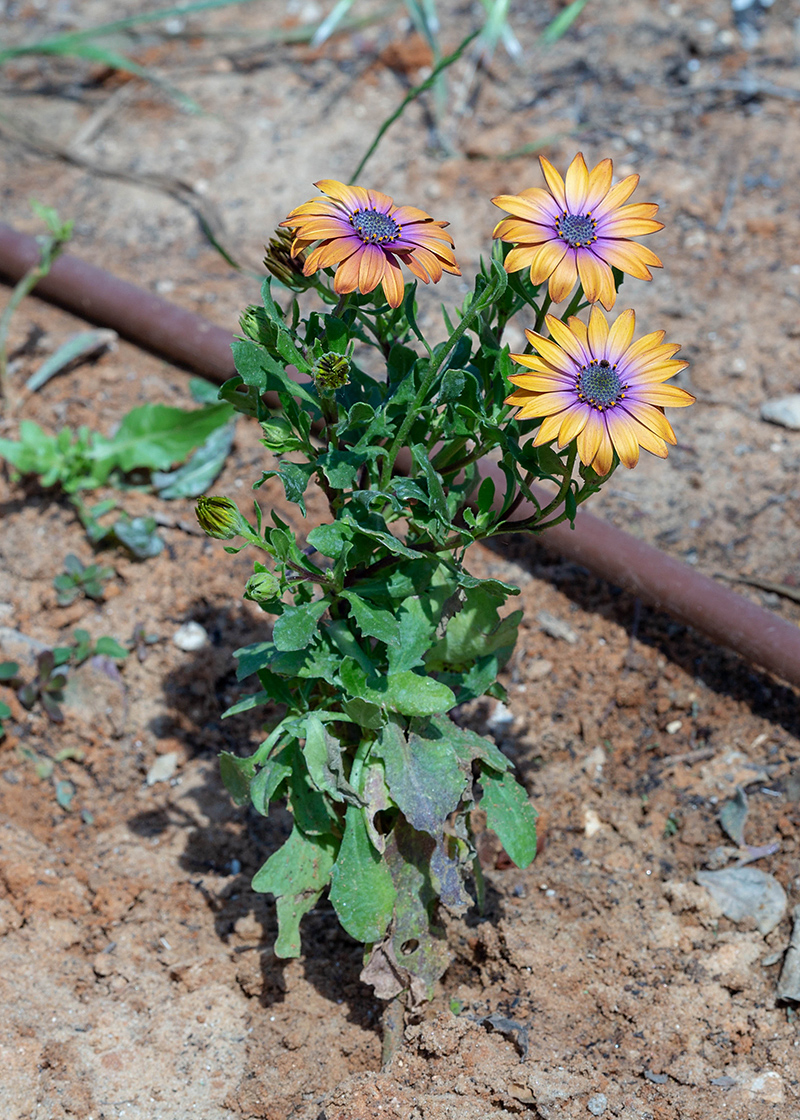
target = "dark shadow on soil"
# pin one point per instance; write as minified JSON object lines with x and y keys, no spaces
{"x":226,"y":844}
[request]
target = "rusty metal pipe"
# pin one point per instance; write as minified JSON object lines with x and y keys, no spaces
{"x":189,"y":340}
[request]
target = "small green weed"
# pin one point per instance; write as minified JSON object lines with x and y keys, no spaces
{"x":77,"y":580}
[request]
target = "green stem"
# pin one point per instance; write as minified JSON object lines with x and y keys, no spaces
{"x":411,"y":96}
{"x":360,"y":757}
{"x":433,"y":372}
{"x":541,"y":313}
{"x":341,"y":636}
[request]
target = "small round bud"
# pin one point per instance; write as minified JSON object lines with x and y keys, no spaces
{"x":220,"y":518}
{"x":262,"y":587}
{"x":331,"y":372}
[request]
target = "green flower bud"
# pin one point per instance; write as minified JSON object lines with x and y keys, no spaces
{"x":262,"y":587}
{"x":220,"y":518}
{"x":278,"y":434}
{"x":331,"y":372}
{"x":250,"y":323}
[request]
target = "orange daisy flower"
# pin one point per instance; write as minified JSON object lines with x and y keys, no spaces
{"x":365,"y":235}
{"x":597,"y":385}
{"x":578,"y":229}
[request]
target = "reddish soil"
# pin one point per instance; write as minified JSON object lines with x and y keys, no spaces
{"x":136,"y":971}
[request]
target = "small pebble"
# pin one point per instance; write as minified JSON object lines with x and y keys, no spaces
{"x":598,"y":1104}
{"x":556,"y":627}
{"x":190,"y":636}
{"x":784,"y":411}
{"x":163,"y":768}
{"x":501,"y":718}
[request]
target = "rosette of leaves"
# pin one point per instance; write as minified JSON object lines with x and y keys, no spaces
{"x":79,"y":579}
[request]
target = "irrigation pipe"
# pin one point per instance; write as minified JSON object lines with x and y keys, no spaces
{"x":189,"y":340}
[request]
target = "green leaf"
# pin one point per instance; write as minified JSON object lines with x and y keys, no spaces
{"x":312,"y":811}
{"x":139,"y":536}
{"x":340,"y":468}
{"x":466,"y":744}
{"x":364,"y":713}
{"x":419,"y":945}
{"x":297,"y":626}
{"x":436,"y":496}
{"x":295,"y":478}
{"x":425,"y":778}
{"x":453,"y":381}
{"x":65,"y":791}
{"x":110,"y":647}
{"x":236,"y":774}
{"x":265,"y":785}
{"x":296,"y":874}
{"x":330,"y":539}
{"x":476,"y":631}
{"x":323,"y":755}
{"x":156,"y":436}
{"x":414,"y":695}
{"x":8,"y":670}
{"x":260,"y":370}
{"x":510,"y":815}
{"x":373,"y":622}
{"x":362,"y":892}
{"x":195,"y":476}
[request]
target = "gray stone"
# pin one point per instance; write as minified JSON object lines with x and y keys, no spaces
{"x":784,"y":411}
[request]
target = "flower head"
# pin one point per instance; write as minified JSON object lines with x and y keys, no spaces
{"x":595,"y":383}
{"x":365,"y":236}
{"x":578,"y":229}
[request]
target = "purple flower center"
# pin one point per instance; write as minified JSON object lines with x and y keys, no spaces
{"x":372,"y":226}
{"x":578,"y":230}
{"x":599,"y":385}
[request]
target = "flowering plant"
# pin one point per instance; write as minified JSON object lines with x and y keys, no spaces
{"x":380,"y":630}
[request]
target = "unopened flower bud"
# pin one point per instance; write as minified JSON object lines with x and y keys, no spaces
{"x":280,"y":262}
{"x":219,"y":517}
{"x":250,"y":323}
{"x":262,"y":587}
{"x":331,"y":372}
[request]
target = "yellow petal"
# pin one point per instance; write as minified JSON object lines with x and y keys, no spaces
{"x":665,"y":396}
{"x":393,"y":284}
{"x":598,"y":332}
{"x":599,"y":183}
{"x":355,"y":198}
{"x":566,"y":339}
{"x":370,"y":268}
{"x":526,"y":233}
{"x":574,"y":421}
{"x":590,"y":438}
{"x":548,"y":429}
{"x":620,"y":336}
{"x":629,"y":227}
{"x":563,"y":277}
{"x":576,"y":184}
{"x":346,"y":278}
{"x":593,"y":275}
{"x":554,"y":182}
{"x":616,"y":196}
{"x":545,"y":260}
{"x":629,"y":257}
{"x":623,"y":436}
